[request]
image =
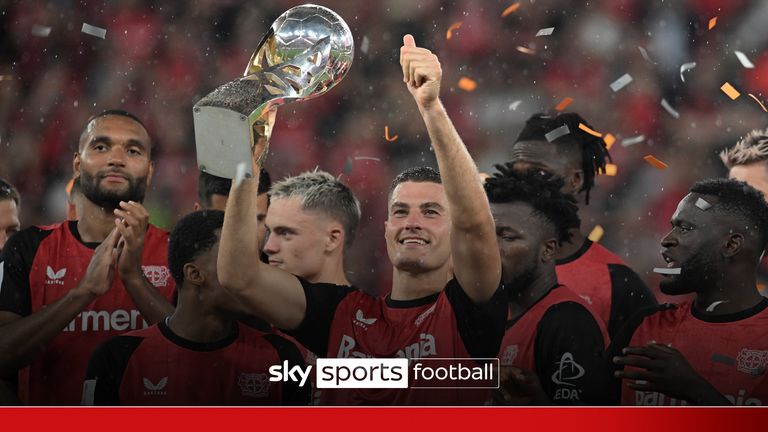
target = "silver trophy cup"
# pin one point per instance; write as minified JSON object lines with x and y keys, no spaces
{"x":306,"y":52}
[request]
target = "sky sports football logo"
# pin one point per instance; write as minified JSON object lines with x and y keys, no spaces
{"x":395,"y":373}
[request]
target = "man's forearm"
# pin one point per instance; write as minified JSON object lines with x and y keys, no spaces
{"x":150,"y":302}
{"x":239,"y":249}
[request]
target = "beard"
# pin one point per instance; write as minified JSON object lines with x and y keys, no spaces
{"x":697,"y":272}
{"x":517,"y":283}
{"x":93,"y":191}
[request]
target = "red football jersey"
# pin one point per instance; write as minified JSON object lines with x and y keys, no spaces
{"x":154,"y":366}
{"x":41,"y":264}
{"x":343,"y":322}
{"x":729,"y":351}
{"x":612,"y":290}
{"x":562,"y":340}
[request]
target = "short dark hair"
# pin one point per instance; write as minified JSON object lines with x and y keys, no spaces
{"x":543,"y":193}
{"x":421,"y":174}
{"x":738,"y":199}
{"x":193,"y":235}
{"x":8,"y":192}
{"x":209,"y":184}
{"x":593,"y":151}
{"x":113,"y":112}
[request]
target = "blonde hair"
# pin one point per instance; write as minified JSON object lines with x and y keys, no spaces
{"x":752,"y":148}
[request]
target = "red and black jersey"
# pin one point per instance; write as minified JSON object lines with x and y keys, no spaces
{"x":601,"y":278}
{"x":40,"y":265}
{"x":155,"y":366}
{"x":343,"y":322}
{"x":729,"y":351}
{"x":563,"y":341}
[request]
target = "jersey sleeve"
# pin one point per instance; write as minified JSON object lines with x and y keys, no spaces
{"x":106,"y":368}
{"x":15,"y":264}
{"x":322,"y":301}
{"x":481,"y":326}
{"x":293,"y":393}
{"x":629,"y":295}
{"x":569,"y":352}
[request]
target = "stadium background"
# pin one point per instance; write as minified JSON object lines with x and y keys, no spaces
{"x":158,"y":58}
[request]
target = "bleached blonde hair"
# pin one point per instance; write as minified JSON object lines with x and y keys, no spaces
{"x":752,"y":148}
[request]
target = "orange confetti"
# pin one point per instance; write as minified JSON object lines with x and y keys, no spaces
{"x":596,"y":234}
{"x":712,"y":23}
{"x":525,"y":50}
{"x":512,"y":8}
{"x":386,"y":135}
{"x":611,"y":169}
{"x":467,"y":84}
{"x":454,"y":26}
{"x":609,"y":140}
{"x":758,"y":101}
{"x":655,"y":162}
{"x":730,"y":91}
{"x":563,"y":104}
{"x":760,"y":287}
{"x":590,"y":131}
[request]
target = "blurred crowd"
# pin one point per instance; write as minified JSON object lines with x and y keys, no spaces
{"x":159,"y":57}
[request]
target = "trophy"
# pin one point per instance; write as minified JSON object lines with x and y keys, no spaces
{"x":306,"y":52}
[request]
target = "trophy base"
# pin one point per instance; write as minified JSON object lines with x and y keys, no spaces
{"x":223,"y":140}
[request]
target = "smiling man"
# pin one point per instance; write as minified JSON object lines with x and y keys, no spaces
{"x":713,"y":350}
{"x":68,"y":287}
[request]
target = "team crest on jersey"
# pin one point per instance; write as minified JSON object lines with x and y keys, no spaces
{"x":152,"y":389}
{"x":253,"y":384}
{"x":751,"y":361}
{"x":157,"y":275}
{"x":509,"y":355}
{"x":55,"y":277}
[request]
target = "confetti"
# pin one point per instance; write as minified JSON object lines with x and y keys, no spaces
{"x":545,"y":31}
{"x":239,"y":173}
{"x":386,"y":135}
{"x":511,"y":9}
{"x":761,"y":287}
{"x":644,"y":53}
{"x":513,"y":106}
{"x":596,"y":234}
{"x":365,"y":45}
{"x":667,"y":271}
{"x":467,"y":84}
{"x":347,"y":166}
{"x":744,"y":60}
{"x":609,"y":140}
{"x":626,"y":142}
{"x":685,"y":68}
{"x":367,"y":158}
{"x":590,"y":131}
{"x":712,"y":23}
{"x":6,"y":77}
{"x":728,"y":89}
{"x":621,"y":82}
{"x":557,"y":133}
{"x":655,"y":162}
{"x":611,"y":169}
{"x":525,"y":50}
{"x":703,"y":204}
{"x":563,"y":104}
{"x":454,"y":26}
{"x":668,"y":108}
{"x":94,"y":31}
{"x":40,"y":31}
{"x":758,"y":101}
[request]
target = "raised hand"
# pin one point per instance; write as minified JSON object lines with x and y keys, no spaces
{"x":421,"y":72}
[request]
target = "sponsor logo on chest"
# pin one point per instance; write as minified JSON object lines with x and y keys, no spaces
{"x":253,"y":384}
{"x":424,"y":347}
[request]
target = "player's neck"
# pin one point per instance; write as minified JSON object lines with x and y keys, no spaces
{"x":332,"y":272}
{"x":567,"y":249}
{"x":522,"y":300}
{"x":196,"y":325}
{"x":95,"y":222}
{"x":732,"y":295}
{"x":411,"y":286}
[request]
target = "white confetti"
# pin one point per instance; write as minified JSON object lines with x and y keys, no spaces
{"x":239,"y":174}
{"x":626,"y":142}
{"x":644,"y":53}
{"x":711,"y":308}
{"x":367,"y":158}
{"x":40,"y":31}
{"x":685,"y":68}
{"x":94,"y":31}
{"x":744,"y":60}
{"x":557,"y":133}
{"x":667,"y":271}
{"x":621,"y":82}
{"x":513,"y":106}
{"x":364,"y":46}
{"x":545,"y":31}
{"x":703,"y":204}
{"x":669,"y":109}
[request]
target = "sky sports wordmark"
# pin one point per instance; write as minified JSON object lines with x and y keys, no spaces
{"x":403,"y":373}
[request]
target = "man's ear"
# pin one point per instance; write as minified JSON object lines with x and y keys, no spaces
{"x":549,"y":250}
{"x":335,"y":238}
{"x":193,"y":275}
{"x":150,"y":173}
{"x":576,"y":181}
{"x":197,"y":206}
{"x":76,"y":164}
{"x":733,"y":245}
